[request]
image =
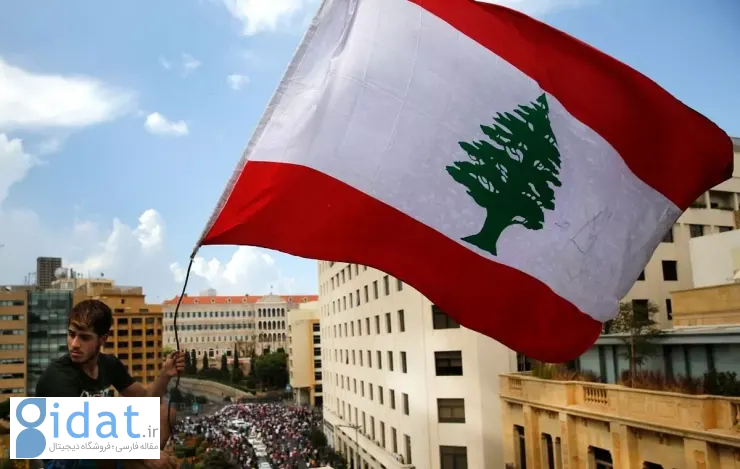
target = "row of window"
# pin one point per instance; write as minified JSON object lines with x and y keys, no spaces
{"x":263,"y":325}
{"x":670,"y":271}
{"x":12,"y":317}
{"x":12,"y":303}
{"x":343,"y":357}
{"x":260,"y":313}
{"x":388,"y":325}
{"x":343,"y":382}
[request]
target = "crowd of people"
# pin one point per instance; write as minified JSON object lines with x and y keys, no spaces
{"x":283,"y":431}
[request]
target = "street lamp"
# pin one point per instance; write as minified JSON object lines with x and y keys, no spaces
{"x":357,"y":443}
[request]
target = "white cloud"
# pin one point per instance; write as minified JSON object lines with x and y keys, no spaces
{"x":258,"y":16}
{"x":539,"y":7}
{"x":249,"y":268}
{"x":34,"y":101}
{"x":156,"y":123}
{"x":131,"y":254}
{"x":189,"y":63}
{"x":14,"y":164}
{"x":166,"y":64}
{"x":236,"y":81}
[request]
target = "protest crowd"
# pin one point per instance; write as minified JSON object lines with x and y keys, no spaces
{"x":253,"y":434}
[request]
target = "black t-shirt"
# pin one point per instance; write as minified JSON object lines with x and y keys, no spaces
{"x":63,"y":378}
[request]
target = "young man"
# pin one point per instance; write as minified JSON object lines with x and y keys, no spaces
{"x":87,"y":372}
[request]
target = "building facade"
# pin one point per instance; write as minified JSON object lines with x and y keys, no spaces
{"x":13,"y":343}
{"x":214,"y":325}
{"x":45,"y":269}
{"x":404,"y":385}
{"x":552,"y":424}
{"x":137,"y":331}
{"x":304,"y":355}
{"x":670,"y":268}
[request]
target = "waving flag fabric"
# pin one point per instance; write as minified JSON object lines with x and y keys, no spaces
{"x":517,"y":177}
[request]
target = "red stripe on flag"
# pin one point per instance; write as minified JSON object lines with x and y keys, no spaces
{"x":306,"y":213}
{"x":666,"y":144}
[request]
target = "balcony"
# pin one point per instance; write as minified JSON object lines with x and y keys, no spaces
{"x":713,"y":416}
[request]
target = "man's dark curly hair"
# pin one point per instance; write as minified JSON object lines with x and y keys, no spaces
{"x":92,"y":314}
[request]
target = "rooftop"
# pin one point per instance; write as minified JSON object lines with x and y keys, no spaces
{"x":245,"y":299}
{"x":715,"y":334}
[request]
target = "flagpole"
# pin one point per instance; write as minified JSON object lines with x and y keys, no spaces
{"x":177,"y":338}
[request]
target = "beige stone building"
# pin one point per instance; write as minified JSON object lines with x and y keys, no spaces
{"x":670,"y":269}
{"x":304,"y":355}
{"x":577,"y":425}
{"x":214,"y":325}
{"x":403,"y":384}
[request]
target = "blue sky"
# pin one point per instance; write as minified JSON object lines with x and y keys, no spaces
{"x":108,"y":194}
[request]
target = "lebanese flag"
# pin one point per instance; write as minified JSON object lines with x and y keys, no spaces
{"x":515,"y":176}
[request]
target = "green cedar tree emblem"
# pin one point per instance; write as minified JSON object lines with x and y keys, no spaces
{"x":512,"y":174}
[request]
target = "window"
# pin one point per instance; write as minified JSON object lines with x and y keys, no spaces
{"x":386,"y":285}
{"x":404,"y":367}
{"x":367,"y":295}
{"x":377,"y":324}
{"x":359,"y":327}
{"x":641,"y":307}
{"x":390,"y":360}
{"x":407,"y":459}
{"x":642,"y":276}
{"x":724,"y":229}
{"x":549,"y":451}
{"x":451,"y":410}
{"x":394,"y":440}
{"x":399,"y":284}
{"x":370,"y":391}
{"x":453,"y":457}
{"x":392,"y":398}
{"x":367,"y":326}
{"x":521,"y":451}
{"x":388,"y":328}
{"x":382,"y":434}
{"x":380,"y":360}
{"x":401,"y":321}
{"x":375,"y":289}
{"x":381,"y":395}
{"x":405,"y":404}
{"x":670,"y":271}
{"x":696,"y":230}
{"x":372,"y":427}
{"x":369,"y":359}
{"x":440,"y":320}
{"x":602,"y":457}
{"x":448,"y":363}
{"x":669,"y":308}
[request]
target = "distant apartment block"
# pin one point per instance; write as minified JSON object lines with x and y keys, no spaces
{"x":45,"y":269}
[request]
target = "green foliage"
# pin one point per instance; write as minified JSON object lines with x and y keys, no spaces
{"x":560,"y":372}
{"x":176,"y":396}
{"x":723,"y":383}
{"x":513,"y":174}
{"x":224,"y":365}
{"x":7,"y":464}
{"x":186,"y":464}
{"x":5,"y":410}
{"x":317,"y":438}
{"x":218,"y":459}
{"x":640,"y":332}
{"x":193,"y":363}
{"x":205,"y":361}
{"x":271,"y":370}
{"x":188,"y":365}
{"x":237,"y":375}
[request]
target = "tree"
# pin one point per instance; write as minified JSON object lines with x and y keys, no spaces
{"x":205,"y":361}
{"x":236,"y":372}
{"x":272,"y":370}
{"x":188,"y":366}
{"x":224,"y":366}
{"x":5,"y":410}
{"x":640,"y":331}
{"x":193,"y":363}
{"x":513,"y":174}
{"x":167,"y":351}
{"x":317,"y":438}
{"x":218,"y":459}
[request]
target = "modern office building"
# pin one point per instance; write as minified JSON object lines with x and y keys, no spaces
{"x":216,"y":324}
{"x":403,"y":384}
{"x":670,"y":268}
{"x":45,"y":270}
{"x":304,"y":355}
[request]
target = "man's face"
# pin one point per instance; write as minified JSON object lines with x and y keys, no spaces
{"x":83,"y":344}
